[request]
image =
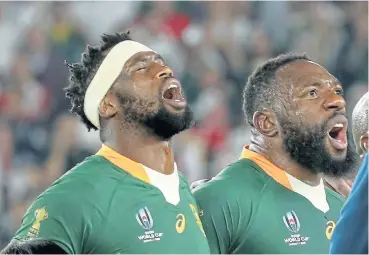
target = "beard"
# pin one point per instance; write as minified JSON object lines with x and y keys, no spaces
{"x":306,"y":146}
{"x":159,"y":122}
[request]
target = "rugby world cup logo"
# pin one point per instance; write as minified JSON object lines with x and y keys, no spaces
{"x":144,"y":218}
{"x":292,"y":222}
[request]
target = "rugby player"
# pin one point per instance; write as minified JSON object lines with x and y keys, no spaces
{"x":129,"y":197}
{"x":342,"y":186}
{"x":273,"y":199}
{"x":351,"y":234}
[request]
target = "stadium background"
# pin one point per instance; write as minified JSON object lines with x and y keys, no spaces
{"x":212,"y":47}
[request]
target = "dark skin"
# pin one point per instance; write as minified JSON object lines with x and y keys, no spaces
{"x":343,"y":186}
{"x":142,"y":76}
{"x":315,"y":95}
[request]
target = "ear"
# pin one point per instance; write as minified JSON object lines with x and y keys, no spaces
{"x":265,"y":122}
{"x":108,"y":107}
{"x":364,"y":143}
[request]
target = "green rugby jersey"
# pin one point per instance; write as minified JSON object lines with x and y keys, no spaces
{"x":110,"y":204}
{"x":254,"y":207}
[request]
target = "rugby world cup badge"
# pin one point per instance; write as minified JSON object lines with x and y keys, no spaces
{"x":292,"y":223}
{"x":146,"y":221}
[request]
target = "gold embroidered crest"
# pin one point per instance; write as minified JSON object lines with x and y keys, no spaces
{"x":40,"y":215}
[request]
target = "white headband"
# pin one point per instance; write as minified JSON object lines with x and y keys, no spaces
{"x":108,"y":72}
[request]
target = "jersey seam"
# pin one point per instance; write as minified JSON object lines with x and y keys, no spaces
{"x":253,"y":216}
{"x":257,"y":203}
{"x":105,"y":219}
{"x":124,"y":175}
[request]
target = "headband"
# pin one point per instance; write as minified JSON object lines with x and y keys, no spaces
{"x":108,"y":72}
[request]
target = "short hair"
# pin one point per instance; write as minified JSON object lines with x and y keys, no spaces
{"x":360,"y":117}
{"x":32,"y":246}
{"x":82,"y":73}
{"x":260,"y":88}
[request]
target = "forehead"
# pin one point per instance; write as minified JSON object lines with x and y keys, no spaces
{"x":301,"y":73}
{"x":142,"y":57}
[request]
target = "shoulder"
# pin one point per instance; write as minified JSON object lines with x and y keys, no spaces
{"x":241,"y":183}
{"x":88,"y":178}
{"x":243,"y":175}
{"x":89,"y":183}
{"x":334,"y":199}
{"x":94,"y":166}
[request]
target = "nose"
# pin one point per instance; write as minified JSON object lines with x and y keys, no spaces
{"x":334,"y":102}
{"x":165,"y":72}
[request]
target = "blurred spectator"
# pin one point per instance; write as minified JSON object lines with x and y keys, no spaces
{"x":213,"y":47}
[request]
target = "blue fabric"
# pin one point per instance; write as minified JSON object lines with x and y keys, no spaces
{"x":351,"y":233}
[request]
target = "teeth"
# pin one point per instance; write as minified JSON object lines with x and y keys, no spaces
{"x":338,"y":125}
{"x":177,"y":100}
{"x":173,"y":86}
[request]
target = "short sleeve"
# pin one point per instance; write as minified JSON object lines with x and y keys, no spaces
{"x":58,"y":219}
{"x":220,"y":214}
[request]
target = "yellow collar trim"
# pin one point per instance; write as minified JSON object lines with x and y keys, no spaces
{"x":124,"y":163}
{"x":269,"y":168}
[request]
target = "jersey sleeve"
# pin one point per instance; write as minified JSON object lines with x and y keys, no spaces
{"x":220,"y":214}
{"x":351,"y":233}
{"x":57,"y":218}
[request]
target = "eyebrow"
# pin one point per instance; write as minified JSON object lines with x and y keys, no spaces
{"x":338,"y":82}
{"x":319,"y":84}
{"x":146,"y":57}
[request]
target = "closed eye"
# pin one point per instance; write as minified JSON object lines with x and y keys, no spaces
{"x":141,"y":69}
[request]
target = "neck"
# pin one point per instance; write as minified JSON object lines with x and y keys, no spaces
{"x":144,"y":149}
{"x":281,"y":159}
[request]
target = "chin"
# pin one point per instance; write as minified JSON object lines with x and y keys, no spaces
{"x":336,"y":155}
{"x":168,"y":122}
{"x":175,"y":110}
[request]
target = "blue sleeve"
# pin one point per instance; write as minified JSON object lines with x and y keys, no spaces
{"x":351,"y":233}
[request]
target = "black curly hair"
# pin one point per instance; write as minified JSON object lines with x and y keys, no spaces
{"x":260,"y":90}
{"x":81,"y":74}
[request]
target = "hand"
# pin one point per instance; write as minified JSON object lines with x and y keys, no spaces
{"x":339,"y":185}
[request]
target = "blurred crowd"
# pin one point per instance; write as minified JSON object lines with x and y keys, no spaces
{"x":212,"y":47}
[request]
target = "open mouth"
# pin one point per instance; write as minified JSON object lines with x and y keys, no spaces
{"x":172,"y":94}
{"x":338,"y":135}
